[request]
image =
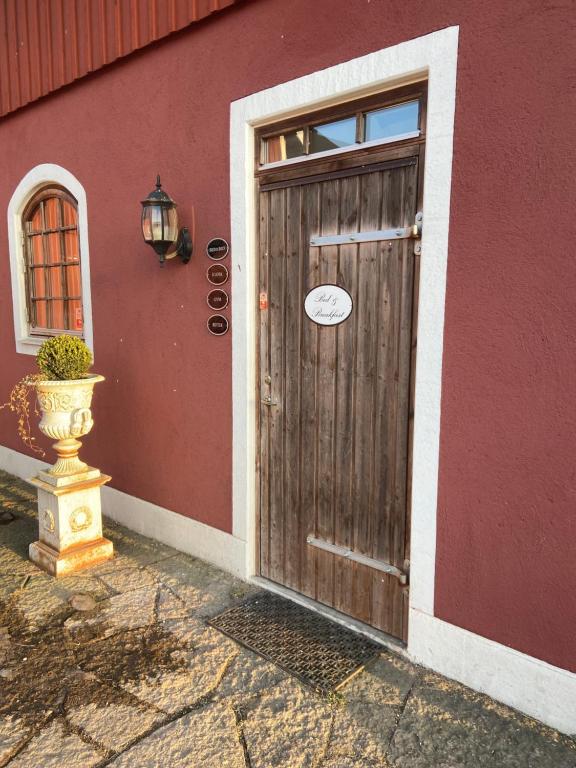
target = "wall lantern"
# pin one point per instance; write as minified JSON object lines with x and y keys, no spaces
{"x":160,"y":226}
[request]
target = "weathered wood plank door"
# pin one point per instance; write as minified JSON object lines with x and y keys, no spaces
{"x":334,"y":400}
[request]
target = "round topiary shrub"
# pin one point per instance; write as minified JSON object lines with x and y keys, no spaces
{"x":64,"y":358}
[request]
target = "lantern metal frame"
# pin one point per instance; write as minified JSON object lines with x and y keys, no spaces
{"x":158,"y":198}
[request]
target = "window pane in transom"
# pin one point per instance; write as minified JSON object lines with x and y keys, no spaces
{"x":391,"y":121}
{"x":335,"y":135}
{"x":378,"y":119}
{"x":285,"y":146}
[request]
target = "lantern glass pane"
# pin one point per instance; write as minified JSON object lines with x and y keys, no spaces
{"x":156,"y":223}
{"x":147,"y":230}
{"x":170,"y":225}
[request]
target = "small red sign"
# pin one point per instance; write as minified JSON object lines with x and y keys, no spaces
{"x":263,"y":300}
{"x":78,"y":323}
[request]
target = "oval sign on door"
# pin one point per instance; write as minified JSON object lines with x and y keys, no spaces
{"x":328,"y":304}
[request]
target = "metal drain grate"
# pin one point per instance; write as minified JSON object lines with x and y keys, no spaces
{"x":319,"y":652}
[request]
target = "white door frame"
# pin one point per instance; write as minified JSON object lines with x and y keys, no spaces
{"x":432,"y":57}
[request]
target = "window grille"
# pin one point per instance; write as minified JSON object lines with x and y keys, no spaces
{"x":52,"y":259}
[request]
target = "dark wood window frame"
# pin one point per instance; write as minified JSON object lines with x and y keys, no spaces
{"x":62,"y":264}
{"x":414,"y":92}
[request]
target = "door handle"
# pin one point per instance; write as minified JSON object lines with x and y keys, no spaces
{"x":267,"y":401}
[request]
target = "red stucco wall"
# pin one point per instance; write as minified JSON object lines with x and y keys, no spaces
{"x":506,"y":525}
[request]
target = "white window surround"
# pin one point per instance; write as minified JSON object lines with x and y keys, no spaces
{"x":38,"y":177}
{"x":433,"y":58}
{"x":539,"y":689}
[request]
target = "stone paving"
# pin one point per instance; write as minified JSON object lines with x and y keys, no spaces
{"x":116,"y":666}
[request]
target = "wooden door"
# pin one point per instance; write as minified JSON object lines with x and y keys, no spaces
{"x":334,"y":400}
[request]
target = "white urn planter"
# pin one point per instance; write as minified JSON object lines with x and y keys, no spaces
{"x":69,"y":508}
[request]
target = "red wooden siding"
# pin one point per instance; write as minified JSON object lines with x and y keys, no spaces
{"x":45,"y":44}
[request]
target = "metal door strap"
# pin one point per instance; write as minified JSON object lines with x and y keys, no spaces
{"x":371,"y":562}
{"x":400,"y":233}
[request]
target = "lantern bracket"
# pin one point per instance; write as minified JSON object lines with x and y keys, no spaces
{"x":183,"y":247}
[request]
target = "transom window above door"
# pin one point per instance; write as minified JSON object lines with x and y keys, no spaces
{"x":52,"y":263}
{"x":363,"y":126}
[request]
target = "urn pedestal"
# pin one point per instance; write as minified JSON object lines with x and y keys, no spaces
{"x":69,"y":509}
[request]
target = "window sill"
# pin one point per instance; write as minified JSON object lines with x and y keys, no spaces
{"x":29,"y":345}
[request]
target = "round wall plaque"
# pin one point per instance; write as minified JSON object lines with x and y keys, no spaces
{"x":217,"y":299}
{"x":217,"y":324}
{"x":217,"y":248}
{"x":328,"y":304}
{"x":217,"y":274}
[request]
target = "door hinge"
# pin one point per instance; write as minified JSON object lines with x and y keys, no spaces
{"x":399,"y":233}
{"x":418,"y":233}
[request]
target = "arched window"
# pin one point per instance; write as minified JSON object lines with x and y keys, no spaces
{"x":49,"y":258}
{"x":52,"y":263}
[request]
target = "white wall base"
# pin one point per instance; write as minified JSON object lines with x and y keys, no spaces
{"x":532,"y":686}
{"x":182,"y":533}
